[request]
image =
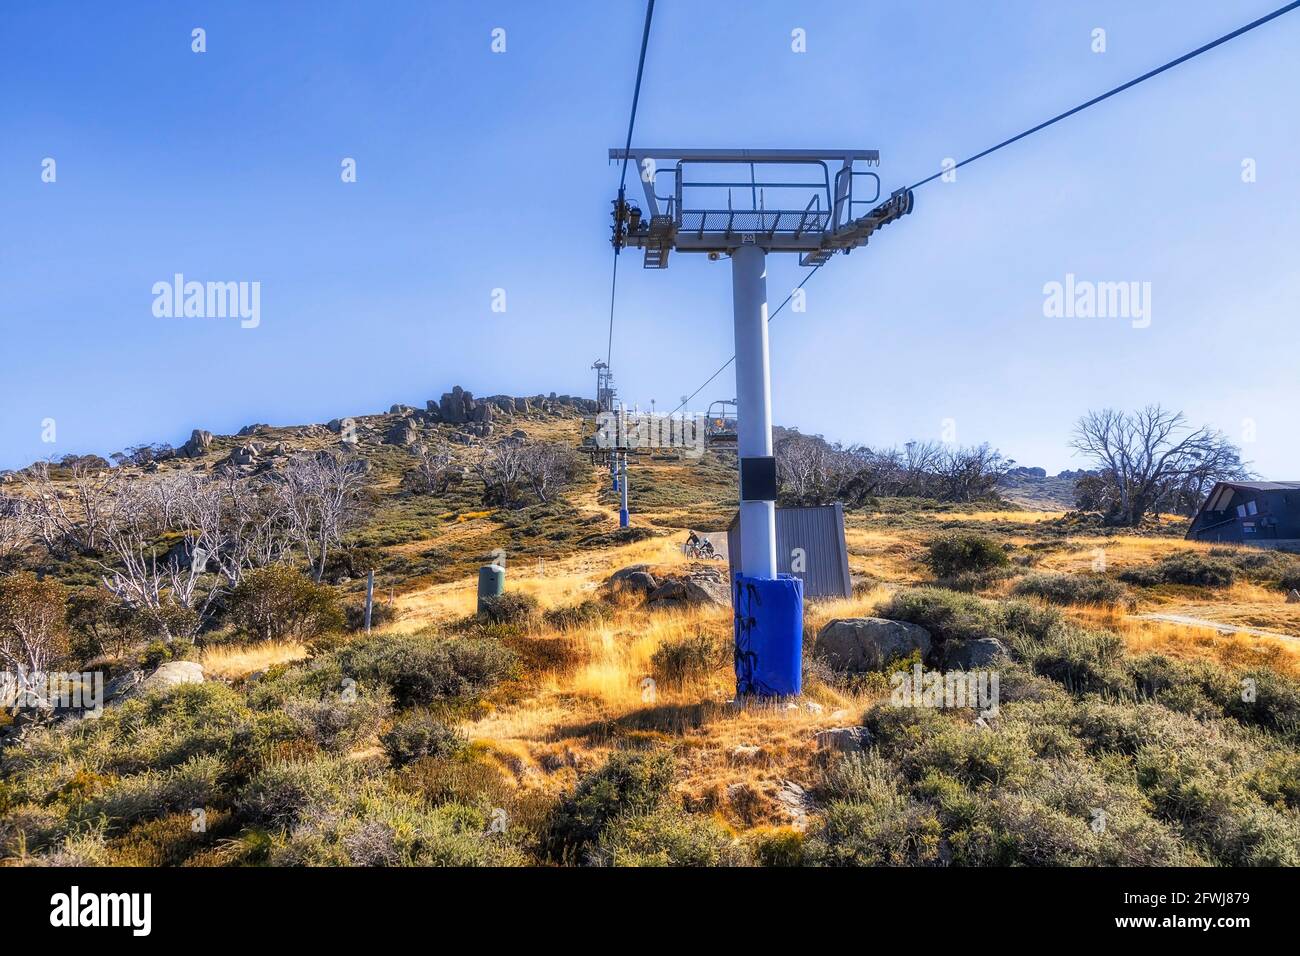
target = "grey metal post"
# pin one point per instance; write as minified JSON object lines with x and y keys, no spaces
{"x":370,"y":597}
{"x":753,"y":404}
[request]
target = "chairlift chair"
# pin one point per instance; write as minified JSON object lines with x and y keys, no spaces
{"x":720,"y":424}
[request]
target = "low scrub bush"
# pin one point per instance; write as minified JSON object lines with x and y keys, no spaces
{"x":414,"y":669}
{"x":338,"y":722}
{"x":1186,"y":567}
{"x":690,"y":658}
{"x":279,"y":602}
{"x":512,"y":607}
{"x":963,"y":552}
{"x":420,"y":735}
{"x":380,"y":827}
{"x":627,"y":783}
{"x":667,"y":836}
{"x":1071,"y":588}
{"x":588,"y":613}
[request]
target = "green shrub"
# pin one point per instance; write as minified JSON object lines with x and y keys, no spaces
{"x":950,"y":616}
{"x":337,"y":722}
{"x":281,"y":794}
{"x":1071,"y":588}
{"x":666,"y":836}
{"x":1081,"y":661}
{"x":891,"y":830}
{"x":191,"y":785}
{"x":627,"y":783}
{"x":779,"y":847}
{"x":380,"y":827}
{"x":689,"y":658}
{"x":961,"y":552}
{"x":421,"y":669}
{"x":569,"y":616}
{"x":512,"y":607}
{"x":157,"y":653}
{"x":420,"y":735}
{"x":1185,"y":567}
{"x":278,"y":601}
{"x":381,"y":614}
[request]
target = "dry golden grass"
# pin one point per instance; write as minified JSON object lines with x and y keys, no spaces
{"x":571,"y":714}
{"x":553,"y":584}
{"x":233,"y":663}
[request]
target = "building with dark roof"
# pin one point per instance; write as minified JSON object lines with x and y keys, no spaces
{"x":1264,"y":513}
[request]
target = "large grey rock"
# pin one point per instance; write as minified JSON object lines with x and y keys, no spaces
{"x":172,"y":674}
{"x":199,"y":444}
{"x":868,"y":643}
{"x":975,"y":655}
{"x":456,"y":406}
{"x":844,"y":739}
{"x":402,"y":433}
{"x":347,"y":427}
{"x":635,"y":577}
{"x":403,"y":410}
{"x":698,"y":584}
{"x":244,"y":454}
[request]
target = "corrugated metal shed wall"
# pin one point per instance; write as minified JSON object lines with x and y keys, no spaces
{"x":819,"y":531}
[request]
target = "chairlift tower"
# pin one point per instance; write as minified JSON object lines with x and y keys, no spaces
{"x":745,"y":204}
{"x":604,"y":386}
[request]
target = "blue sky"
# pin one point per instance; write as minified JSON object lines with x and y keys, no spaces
{"x":479,"y":171}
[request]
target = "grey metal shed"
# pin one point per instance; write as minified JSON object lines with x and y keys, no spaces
{"x":819,"y":532}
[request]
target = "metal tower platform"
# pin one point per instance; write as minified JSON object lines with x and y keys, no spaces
{"x":782,"y":200}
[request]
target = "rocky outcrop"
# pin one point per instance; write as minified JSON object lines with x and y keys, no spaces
{"x":457,"y":406}
{"x":244,"y":454}
{"x":172,"y":674}
{"x":402,"y":433}
{"x":200,"y":444}
{"x":699,"y":584}
{"x":975,"y":655}
{"x":345,"y":428}
{"x":868,"y":643}
{"x":844,"y":739}
{"x":168,"y":675}
{"x":636,"y":578}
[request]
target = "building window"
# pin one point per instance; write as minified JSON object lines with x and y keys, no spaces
{"x":1251,"y":507}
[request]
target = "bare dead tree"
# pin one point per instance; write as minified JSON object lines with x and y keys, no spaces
{"x":231,"y":524}
{"x":69,"y":514}
{"x":435,"y":469}
{"x":321,"y":495}
{"x":808,"y":467}
{"x":138,"y":573}
{"x":547,"y":467}
{"x":968,"y":474}
{"x":17,"y":525}
{"x":1147,"y":458}
{"x":501,"y":469}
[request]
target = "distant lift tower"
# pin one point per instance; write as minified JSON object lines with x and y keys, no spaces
{"x":745,"y":203}
{"x":604,"y":387}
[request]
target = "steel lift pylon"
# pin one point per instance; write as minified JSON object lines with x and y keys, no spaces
{"x":815,"y":213}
